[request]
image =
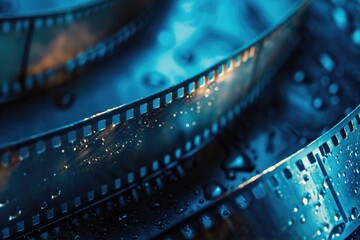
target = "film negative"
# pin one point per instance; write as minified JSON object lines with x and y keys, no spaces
{"x":163,"y":56}
{"x":311,"y":194}
{"x":92,"y":159}
{"x":268,"y":131}
{"x":49,"y":41}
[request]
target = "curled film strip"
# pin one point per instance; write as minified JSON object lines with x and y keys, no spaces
{"x":318,"y":184}
{"x":49,"y":42}
{"x":155,"y":204}
{"x":178,"y":45}
{"x":117,"y":147}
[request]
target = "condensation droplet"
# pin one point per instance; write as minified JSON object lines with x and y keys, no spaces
{"x":354,"y":213}
{"x":306,"y":177}
{"x":302,"y":219}
{"x":16,"y":214}
{"x":306,"y":198}
{"x":337,"y":230}
{"x":179,"y":210}
{"x":326,"y":227}
{"x":299,"y":76}
{"x":56,"y":193}
{"x":290,"y":222}
{"x":122,"y":217}
{"x":325,"y":184}
{"x":44,"y":205}
{"x":279,"y":193}
{"x":154,"y":204}
{"x":322,"y":193}
{"x":3,"y":203}
{"x":213,"y":190}
{"x":318,"y":103}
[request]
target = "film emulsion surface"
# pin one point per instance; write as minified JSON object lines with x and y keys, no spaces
{"x":117,"y":147}
{"x":167,"y":121}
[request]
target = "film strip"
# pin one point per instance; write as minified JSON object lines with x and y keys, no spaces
{"x":117,"y":147}
{"x":311,"y":194}
{"x":128,"y":75}
{"x":157,"y":203}
{"x":54,"y":40}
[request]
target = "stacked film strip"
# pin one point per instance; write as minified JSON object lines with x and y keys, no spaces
{"x":46,"y":47}
{"x":91,"y":160}
{"x":318,"y":184}
{"x":155,"y":204}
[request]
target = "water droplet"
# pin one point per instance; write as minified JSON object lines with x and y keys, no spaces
{"x":154,"y":204}
{"x":44,"y":205}
{"x":325,"y":184}
{"x":337,"y":230}
{"x":237,"y":162}
{"x":15,"y":215}
{"x":306,"y":177}
{"x":160,"y":225}
{"x":279,"y":193}
{"x":290,"y":222}
{"x":336,"y":216}
{"x":56,"y":193}
{"x":231,"y":175}
{"x":302,"y":219}
{"x":179,"y":210}
{"x":334,"y":88}
{"x":122,"y":217}
{"x":317,"y":207}
{"x":213,"y":190}
{"x":322,"y":193}
{"x":354,"y":213}
{"x":356,"y":37}
{"x":3,"y":203}
{"x":318,"y":103}
{"x":134,"y":236}
{"x":327,"y":62}
{"x":340,"y":17}
{"x":326,"y":227}
{"x":299,"y":76}
{"x":224,"y":211}
{"x":306,"y":198}
{"x":188,"y":232}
